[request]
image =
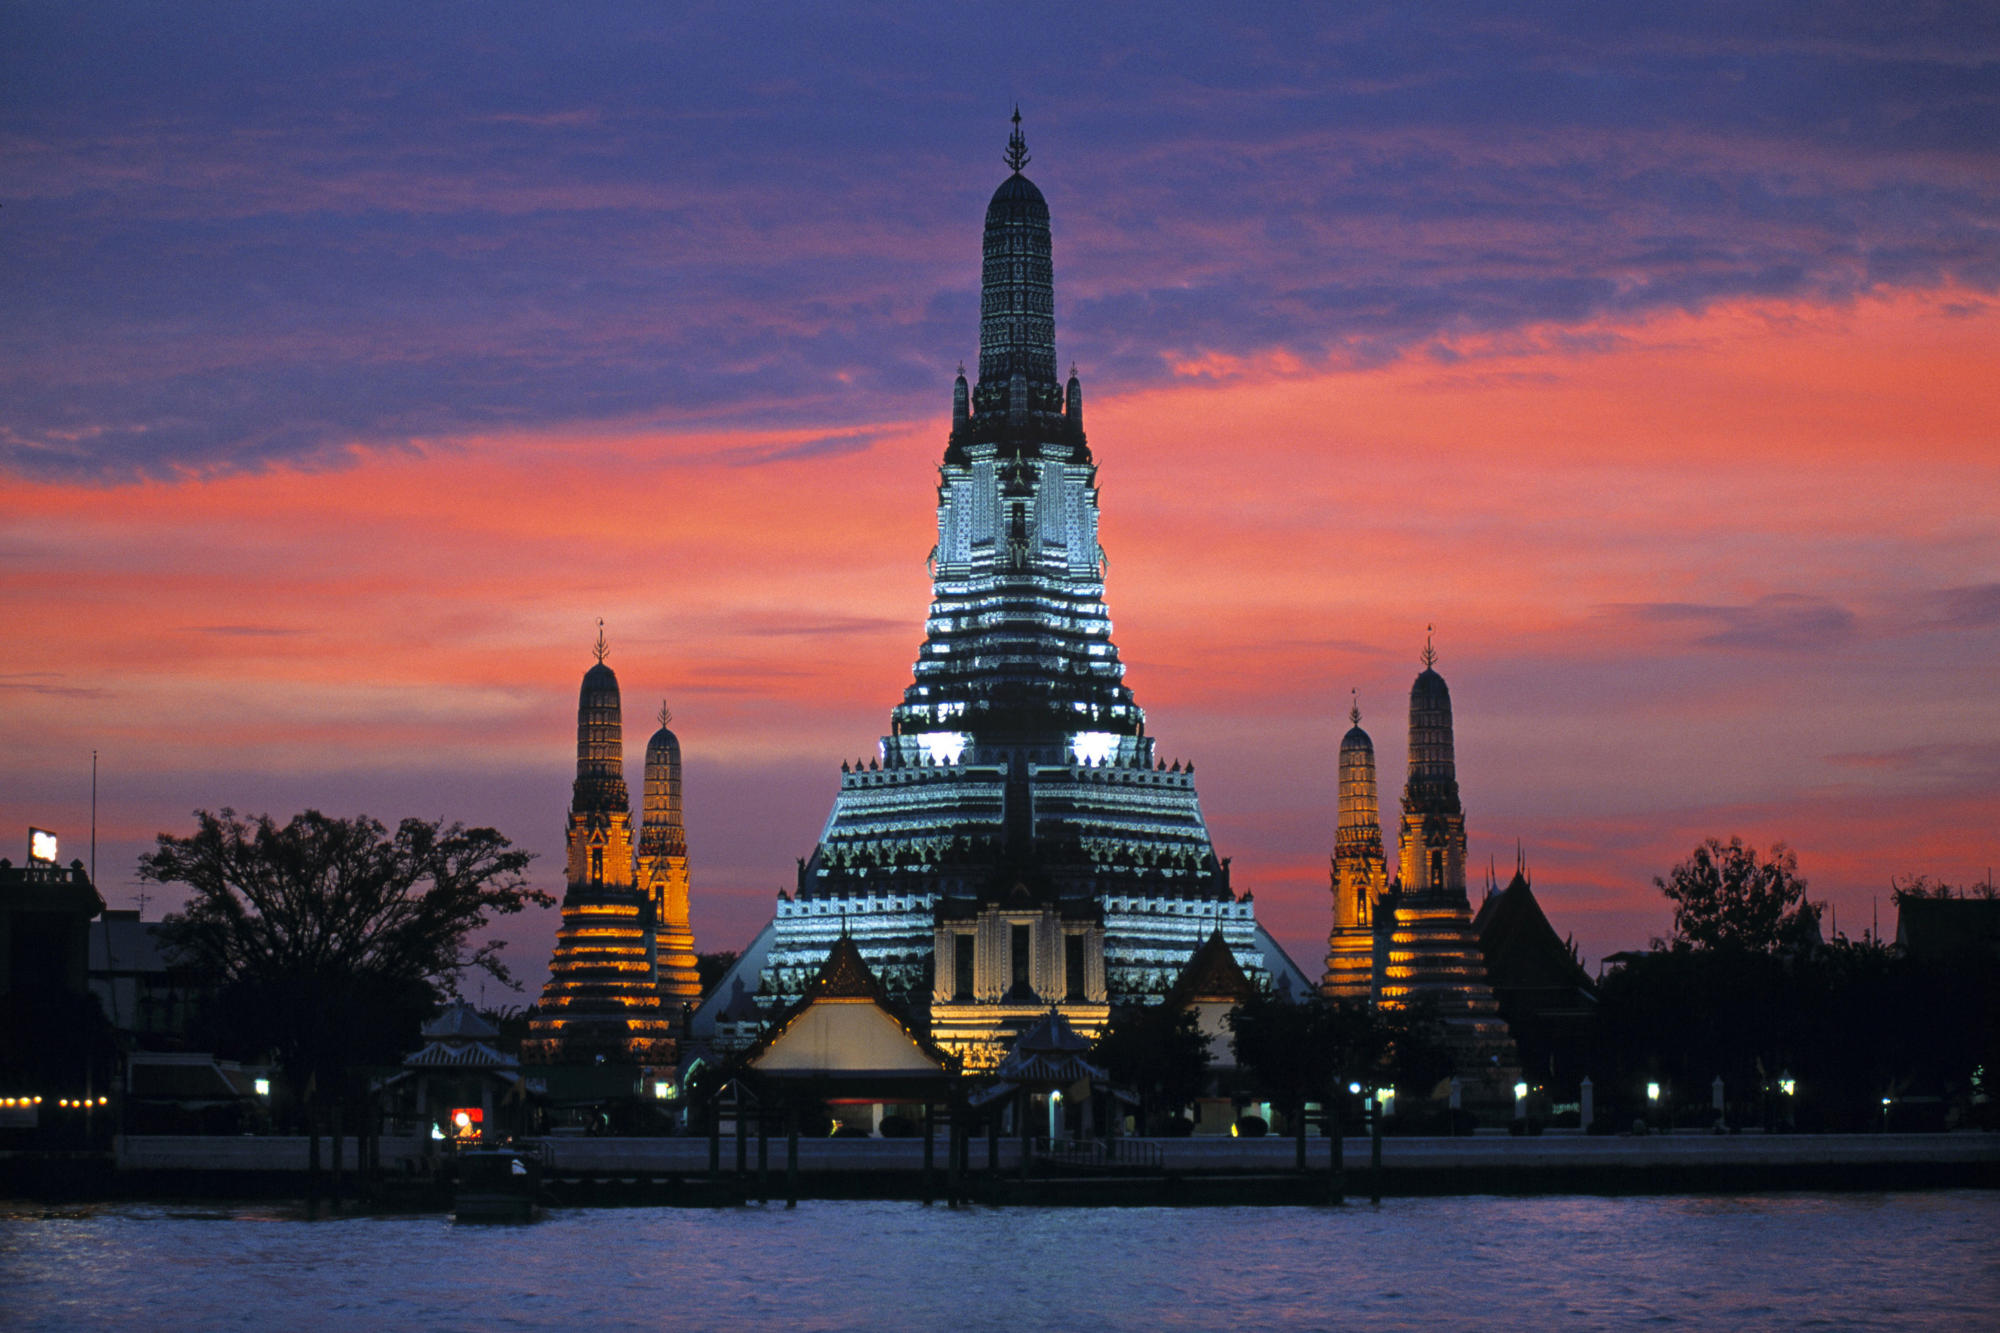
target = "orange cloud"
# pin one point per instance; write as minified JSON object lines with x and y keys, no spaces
{"x":1588,"y":514}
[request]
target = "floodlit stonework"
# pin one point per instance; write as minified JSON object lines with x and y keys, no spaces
{"x":1018,"y":762}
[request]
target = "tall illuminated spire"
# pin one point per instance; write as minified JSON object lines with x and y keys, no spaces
{"x":663,"y":868}
{"x":1359,"y":873}
{"x":600,"y":1001}
{"x":1018,"y":765}
{"x":1017,"y":306}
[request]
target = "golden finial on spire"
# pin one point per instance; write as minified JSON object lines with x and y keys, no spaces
{"x":1017,"y":147}
{"x":1430,"y":654}
{"x":601,"y":648}
{"x":666,"y":715}
{"x":1354,"y":711}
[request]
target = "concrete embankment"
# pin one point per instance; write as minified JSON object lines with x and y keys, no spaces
{"x":675,"y":1171}
{"x":1226,"y":1171}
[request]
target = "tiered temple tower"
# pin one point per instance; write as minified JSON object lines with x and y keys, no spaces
{"x":663,"y":870}
{"x":1425,"y":944}
{"x":1017,"y":768}
{"x":1359,"y":873}
{"x":602,"y":998}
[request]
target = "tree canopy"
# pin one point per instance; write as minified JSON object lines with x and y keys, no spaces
{"x":1159,"y":1051}
{"x":327,"y":939}
{"x":1726,"y":897}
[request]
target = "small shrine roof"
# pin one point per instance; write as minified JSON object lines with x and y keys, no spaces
{"x":460,"y":1055}
{"x":1212,"y":974}
{"x":462,"y":1022}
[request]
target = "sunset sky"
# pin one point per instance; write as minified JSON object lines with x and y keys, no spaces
{"x":355,"y":359}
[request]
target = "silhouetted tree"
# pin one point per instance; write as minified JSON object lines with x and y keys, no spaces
{"x":328,"y":940}
{"x":1724,"y":896}
{"x":1411,"y":1039}
{"x":1923,"y":886}
{"x":1159,"y":1052}
{"x":710,"y":968}
{"x":1303,"y":1051}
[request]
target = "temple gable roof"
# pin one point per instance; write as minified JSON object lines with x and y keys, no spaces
{"x":1523,"y":951}
{"x":844,"y":1029}
{"x":1212,"y":976}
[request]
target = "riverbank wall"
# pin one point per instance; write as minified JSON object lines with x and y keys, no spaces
{"x":584,"y":1172}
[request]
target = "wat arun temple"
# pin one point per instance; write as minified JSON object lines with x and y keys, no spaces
{"x":1018,"y":843}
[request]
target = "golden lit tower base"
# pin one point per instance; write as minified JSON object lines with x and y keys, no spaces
{"x":1425,"y":946}
{"x":602,"y":998}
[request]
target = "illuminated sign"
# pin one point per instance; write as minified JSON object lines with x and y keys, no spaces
{"x":465,"y":1122}
{"x":41,"y":846}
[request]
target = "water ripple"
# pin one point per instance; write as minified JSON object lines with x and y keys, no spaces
{"x":1785,"y":1261}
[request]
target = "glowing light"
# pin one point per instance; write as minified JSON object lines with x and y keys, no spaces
{"x":263,"y":1087}
{"x":943,"y":747}
{"x":41,"y":845}
{"x":1094,"y":747}
{"x":1652,"y":1092}
{"x":1520,"y":1092}
{"x":1354,"y":1087}
{"x":1788,"y":1086}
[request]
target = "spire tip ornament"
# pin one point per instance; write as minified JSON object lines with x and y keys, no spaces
{"x":1430,"y":656}
{"x":1017,"y":146}
{"x":1354,"y":710}
{"x":666,"y":715}
{"x":601,"y":648}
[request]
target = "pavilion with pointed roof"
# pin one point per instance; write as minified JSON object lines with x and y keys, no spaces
{"x":460,"y":1068}
{"x":844,"y":1041}
{"x":1212,"y":984}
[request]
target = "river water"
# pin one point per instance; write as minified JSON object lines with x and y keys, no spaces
{"x":1919,"y":1260}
